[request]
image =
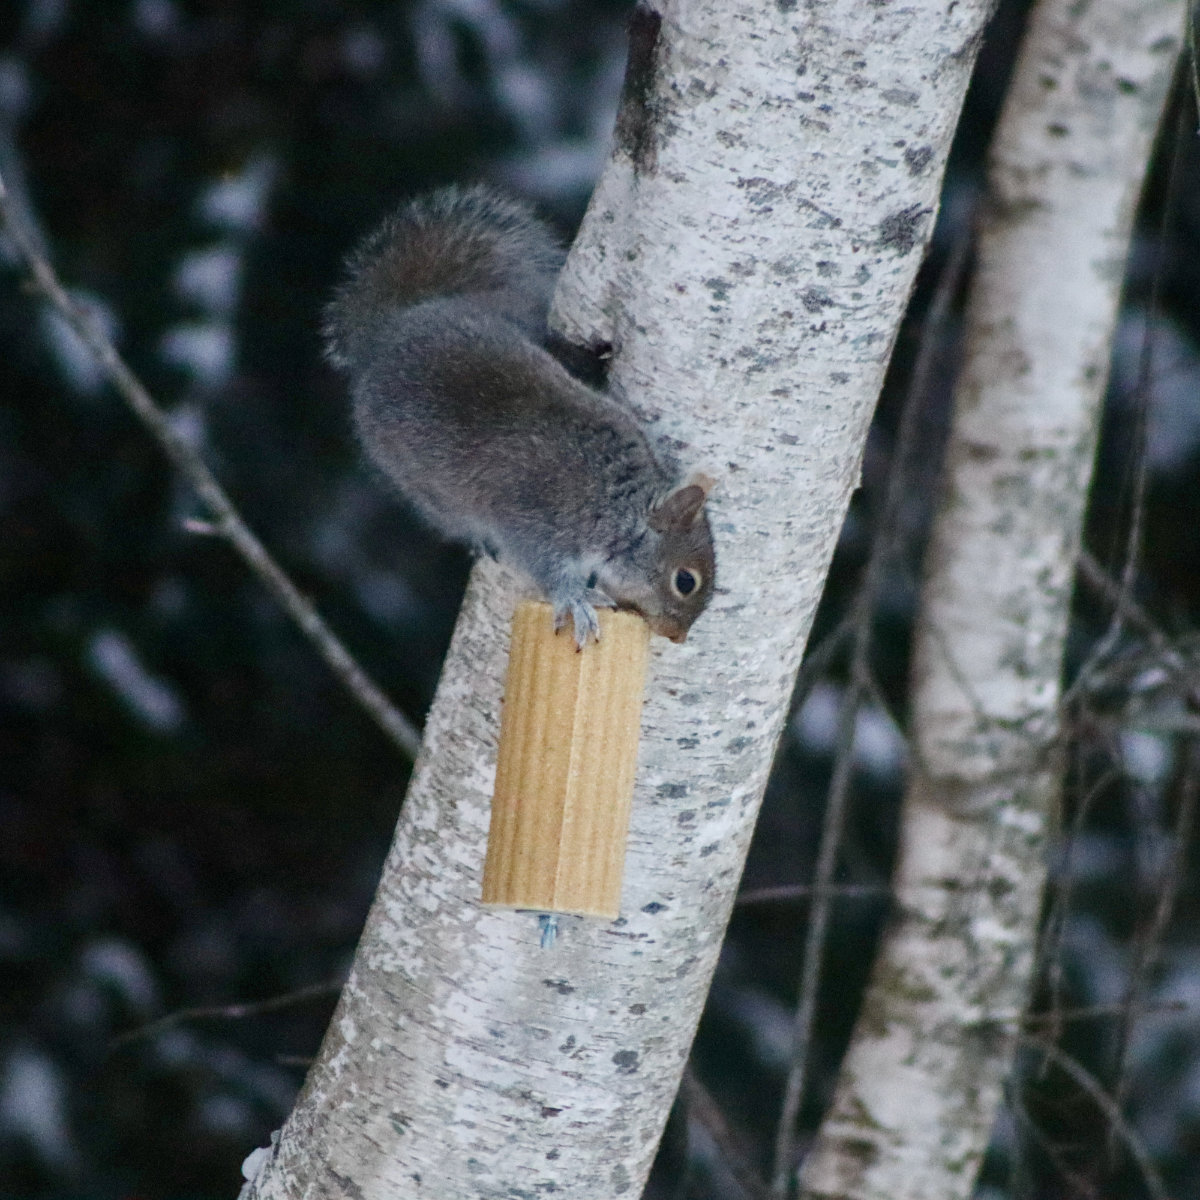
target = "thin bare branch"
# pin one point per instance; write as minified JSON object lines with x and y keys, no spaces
{"x":803,"y":891}
{"x":1167,"y":891}
{"x":1132,"y":551}
{"x":1176,"y":656}
{"x":1096,"y":577}
{"x":227,"y":522}
{"x":1172,"y":658}
{"x":1056,"y":1018}
{"x":1117,"y":1123}
{"x":227,"y":1012}
{"x":1050,"y":945}
{"x":1096,"y":1012}
{"x":817,"y":660}
{"x":703,"y":1107}
{"x":1079,"y":1185}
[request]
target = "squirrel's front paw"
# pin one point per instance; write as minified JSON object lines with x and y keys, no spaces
{"x":580,"y":609}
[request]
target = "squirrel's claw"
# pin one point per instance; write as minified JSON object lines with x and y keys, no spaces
{"x":580,"y":609}
{"x":584,"y":618}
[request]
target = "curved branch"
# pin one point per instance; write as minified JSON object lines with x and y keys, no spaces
{"x":227,"y":521}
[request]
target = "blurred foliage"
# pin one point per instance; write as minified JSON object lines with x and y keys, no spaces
{"x":191,"y":811}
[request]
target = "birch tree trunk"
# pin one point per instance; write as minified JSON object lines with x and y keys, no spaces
{"x":748,"y":253}
{"x":922,"y":1081}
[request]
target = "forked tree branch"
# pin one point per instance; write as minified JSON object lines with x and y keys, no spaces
{"x":227,"y":522}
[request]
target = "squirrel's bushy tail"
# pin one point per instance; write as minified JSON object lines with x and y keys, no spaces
{"x":455,"y":242}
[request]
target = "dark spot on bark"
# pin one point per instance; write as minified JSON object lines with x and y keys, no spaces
{"x":637,"y":1009}
{"x":814,"y":299}
{"x":348,"y":1186}
{"x":978,"y":452}
{"x":637,"y":120}
{"x":671,"y":791}
{"x":786,"y":6}
{"x":547,"y":1111}
{"x":998,"y":889}
{"x":1127,"y":87}
{"x":1056,"y":130}
{"x":626,"y":1061}
{"x":861,"y":1150}
{"x":719,"y":288}
{"x":916,"y":158}
{"x":711,"y":848}
{"x":561,"y":986}
{"x":899,"y":232}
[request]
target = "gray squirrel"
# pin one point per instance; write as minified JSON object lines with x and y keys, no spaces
{"x":441,"y":326}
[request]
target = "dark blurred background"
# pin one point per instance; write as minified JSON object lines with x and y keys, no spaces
{"x":192,"y":813}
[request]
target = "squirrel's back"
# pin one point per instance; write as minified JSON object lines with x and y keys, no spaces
{"x":454,"y":243}
{"x":441,"y":328}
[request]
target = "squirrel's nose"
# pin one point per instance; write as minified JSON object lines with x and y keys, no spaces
{"x":667,"y":627}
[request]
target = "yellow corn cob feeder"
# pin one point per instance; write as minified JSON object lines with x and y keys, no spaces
{"x":565,"y":768}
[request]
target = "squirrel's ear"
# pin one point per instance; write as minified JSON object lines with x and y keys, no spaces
{"x":681,"y":508}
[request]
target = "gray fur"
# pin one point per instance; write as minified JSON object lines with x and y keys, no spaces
{"x":438,"y":327}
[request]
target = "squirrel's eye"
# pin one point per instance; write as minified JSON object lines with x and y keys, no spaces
{"x":685,"y":582}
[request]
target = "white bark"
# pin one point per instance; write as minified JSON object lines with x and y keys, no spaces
{"x":921,"y":1084}
{"x":749,"y":254}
